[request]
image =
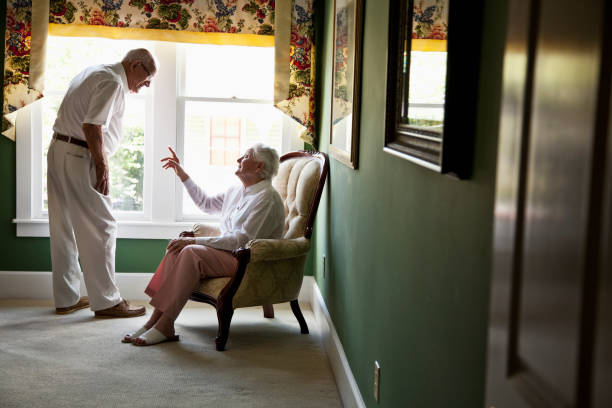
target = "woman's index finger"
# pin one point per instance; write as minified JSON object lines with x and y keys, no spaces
{"x":173,"y":153}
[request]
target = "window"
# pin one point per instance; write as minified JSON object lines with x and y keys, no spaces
{"x":205,"y":101}
{"x":425,"y":108}
{"x":224,"y":108}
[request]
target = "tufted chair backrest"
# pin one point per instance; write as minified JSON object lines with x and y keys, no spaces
{"x":300,"y":180}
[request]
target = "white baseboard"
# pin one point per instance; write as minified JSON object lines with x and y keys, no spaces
{"x":37,"y":285}
{"x":347,"y":386}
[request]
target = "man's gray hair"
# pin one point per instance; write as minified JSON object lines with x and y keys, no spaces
{"x":141,"y":55}
{"x":269,"y":157}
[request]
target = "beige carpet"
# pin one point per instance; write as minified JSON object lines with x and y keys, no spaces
{"x":78,"y":361}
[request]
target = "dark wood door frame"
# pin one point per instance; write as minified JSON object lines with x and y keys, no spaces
{"x":510,"y":380}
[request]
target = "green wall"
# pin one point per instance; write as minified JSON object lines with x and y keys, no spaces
{"x":408,"y":250}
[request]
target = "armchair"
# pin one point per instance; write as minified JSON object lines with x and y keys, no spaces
{"x":271,"y":270}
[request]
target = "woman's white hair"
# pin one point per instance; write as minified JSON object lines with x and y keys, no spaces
{"x":269,"y":157}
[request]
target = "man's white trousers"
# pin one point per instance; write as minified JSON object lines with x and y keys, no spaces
{"x":81,"y":226}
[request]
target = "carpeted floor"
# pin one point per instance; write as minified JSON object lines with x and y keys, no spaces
{"x":78,"y":361}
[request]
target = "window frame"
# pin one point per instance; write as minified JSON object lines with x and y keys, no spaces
{"x":162,"y":216}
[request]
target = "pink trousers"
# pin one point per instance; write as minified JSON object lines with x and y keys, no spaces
{"x":179,"y":274}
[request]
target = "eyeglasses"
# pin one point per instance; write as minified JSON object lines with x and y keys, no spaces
{"x":145,"y":70}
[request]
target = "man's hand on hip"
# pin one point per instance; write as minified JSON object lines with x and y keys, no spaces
{"x":93,"y":135}
{"x":102,"y":180}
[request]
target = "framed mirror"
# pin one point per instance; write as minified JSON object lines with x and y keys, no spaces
{"x":346,"y":79}
{"x":432,"y":82}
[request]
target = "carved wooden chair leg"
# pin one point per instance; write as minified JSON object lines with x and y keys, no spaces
{"x":224,"y":316}
{"x":295,"y":306}
{"x":268,"y":311}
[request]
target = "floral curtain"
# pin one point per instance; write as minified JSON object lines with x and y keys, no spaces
{"x":22,"y":85}
{"x":298,"y":101}
{"x":429,"y":25}
{"x":246,"y":22}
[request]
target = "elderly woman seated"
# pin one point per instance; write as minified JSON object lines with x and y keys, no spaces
{"x":250,"y":210}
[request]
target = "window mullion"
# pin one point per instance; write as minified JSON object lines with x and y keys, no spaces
{"x":24,"y":164}
{"x":163,"y":133}
{"x":180,"y":125}
{"x":148,"y":159}
{"x":37,"y":178}
{"x":180,"y":151}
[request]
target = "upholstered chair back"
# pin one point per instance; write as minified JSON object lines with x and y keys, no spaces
{"x":297,"y":182}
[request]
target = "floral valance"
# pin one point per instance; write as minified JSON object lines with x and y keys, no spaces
{"x":429,"y":25}
{"x":227,"y":16}
{"x":245,"y":22}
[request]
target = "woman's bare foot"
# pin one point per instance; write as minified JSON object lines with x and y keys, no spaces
{"x":129,"y":337}
{"x":155,"y":316}
{"x":153,"y":336}
{"x":164,"y":326}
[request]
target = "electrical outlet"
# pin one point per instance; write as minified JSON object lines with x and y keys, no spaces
{"x":376,"y":381}
{"x":323,"y":266}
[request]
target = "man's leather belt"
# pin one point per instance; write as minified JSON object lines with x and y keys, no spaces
{"x":70,"y":139}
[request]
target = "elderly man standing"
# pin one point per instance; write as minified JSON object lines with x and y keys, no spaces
{"x":86,"y":133}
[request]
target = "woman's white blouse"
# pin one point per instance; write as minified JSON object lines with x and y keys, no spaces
{"x":247,"y":213}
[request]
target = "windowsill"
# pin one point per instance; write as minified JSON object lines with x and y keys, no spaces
{"x":125,"y":229}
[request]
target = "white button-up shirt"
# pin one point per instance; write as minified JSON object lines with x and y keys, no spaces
{"x":97,"y":96}
{"x":247,"y":213}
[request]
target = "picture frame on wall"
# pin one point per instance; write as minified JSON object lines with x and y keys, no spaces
{"x":346,"y":81}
